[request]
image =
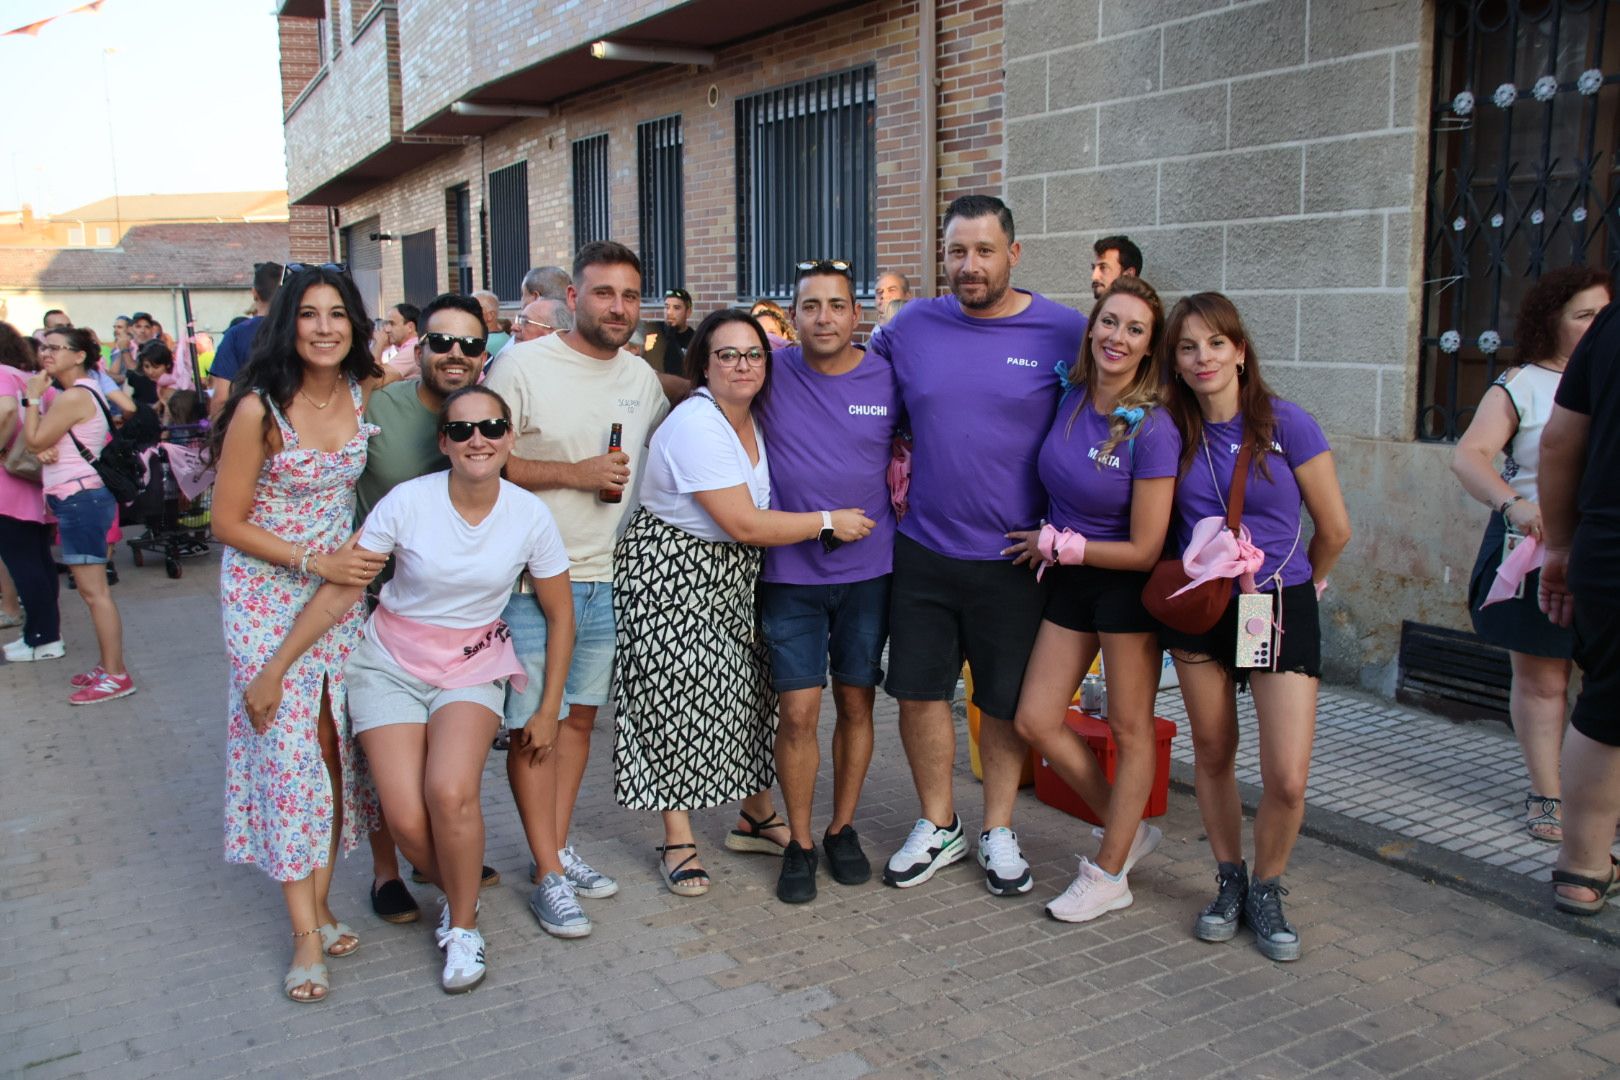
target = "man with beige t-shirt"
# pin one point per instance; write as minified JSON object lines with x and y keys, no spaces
{"x":566,"y":390}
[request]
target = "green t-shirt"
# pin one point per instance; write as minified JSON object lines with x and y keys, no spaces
{"x":407,"y":446}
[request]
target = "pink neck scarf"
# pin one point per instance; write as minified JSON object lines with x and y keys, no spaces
{"x":1213,"y":552}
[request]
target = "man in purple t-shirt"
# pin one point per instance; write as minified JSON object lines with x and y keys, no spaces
{"x":830,"y":418}
{"x":975,"y":371}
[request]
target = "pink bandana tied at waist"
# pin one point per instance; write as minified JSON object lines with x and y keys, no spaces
{"x":448,"y":657}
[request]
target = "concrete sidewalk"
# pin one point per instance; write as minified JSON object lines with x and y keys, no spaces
{"x":136,"y":951}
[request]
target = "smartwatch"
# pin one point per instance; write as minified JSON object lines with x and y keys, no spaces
{"x":829,"y":539}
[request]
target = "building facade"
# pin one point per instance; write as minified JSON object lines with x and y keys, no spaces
{"x":1374,"y":182}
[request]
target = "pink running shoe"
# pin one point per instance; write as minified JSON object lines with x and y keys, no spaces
{"x":88,"y":678}
{"x":105,"y":688}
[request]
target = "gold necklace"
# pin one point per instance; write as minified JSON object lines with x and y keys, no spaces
{"x":312,"y":401}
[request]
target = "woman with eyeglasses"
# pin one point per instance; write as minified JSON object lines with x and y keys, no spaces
{"x":427,"y":683}
{"x":696,"y":718}
{"x":69,"y":433}
{"x":290,"y":444}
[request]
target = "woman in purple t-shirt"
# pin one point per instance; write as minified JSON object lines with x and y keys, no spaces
{"x":1214,"y":389}
{"x":1109,"y":468}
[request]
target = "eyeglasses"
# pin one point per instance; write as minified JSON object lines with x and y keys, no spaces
{"x":443,"y":343}
{"x":49,"y":348}
{"x":822,"y":266}
{"x":524,"y":320}
{"x":462,"y":430}
{"x":295,"y":268}
{"x":730,"y":357}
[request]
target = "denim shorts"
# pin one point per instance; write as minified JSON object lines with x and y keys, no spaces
{"x":590,"y":675}
{"x":806,"y":626}
{"x":381,"y":692}
{"x":82,"y":521}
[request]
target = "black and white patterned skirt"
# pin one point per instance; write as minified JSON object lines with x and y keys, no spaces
{"x":696,"y":718}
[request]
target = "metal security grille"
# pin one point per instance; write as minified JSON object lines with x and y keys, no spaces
{"x":509,"y":230}
{"x":421,"y":256}
{"x":1523,"y":179}
{"x":658,"y":167}
{"x":591,"y":190}
{"x":458,"y":238}
{"x":362,"y":250}
{"x":807,"y":181}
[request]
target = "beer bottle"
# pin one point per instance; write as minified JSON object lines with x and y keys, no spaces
{"x":615,"y":442}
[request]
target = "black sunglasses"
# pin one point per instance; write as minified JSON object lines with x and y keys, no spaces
{"x":462,"y":430}
{"x":443,"y":343}
{"x":294,"y":268}
{"x":822,"y":266}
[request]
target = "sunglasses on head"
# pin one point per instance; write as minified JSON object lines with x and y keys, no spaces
{"x":462,"y":430}
{"x":822,"y":266}
{"x":296,"y":268}
{"x":443,"y":343}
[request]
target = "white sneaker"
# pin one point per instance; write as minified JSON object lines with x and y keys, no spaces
{"x":1005,"y":871}
{"x":20,"y":652}
{"x":1090,"y":894}
{"x":926,"y":850}
{"x":1142,"y":844}
{"x":442,"y":932}
{"x":464,"y":966}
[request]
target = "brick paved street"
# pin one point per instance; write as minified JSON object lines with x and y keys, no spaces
{"x":134,"y":950}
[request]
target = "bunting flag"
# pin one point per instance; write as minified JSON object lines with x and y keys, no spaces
{"x":33,"y":28}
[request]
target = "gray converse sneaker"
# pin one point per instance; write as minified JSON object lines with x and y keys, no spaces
{"x":1219,"y":921}
{"x":559,"y":913}
{"x":587,"y":881}
{"x":1263,"y":912}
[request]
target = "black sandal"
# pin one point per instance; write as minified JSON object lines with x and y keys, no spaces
{"x":679,"y":880}
{"x":1604,"y":890}
{"x":752,"y":840}
{"x":1541,"y":818}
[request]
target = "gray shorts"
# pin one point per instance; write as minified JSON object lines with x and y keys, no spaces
{"x":381,"y":692}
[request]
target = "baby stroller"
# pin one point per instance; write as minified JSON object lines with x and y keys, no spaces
{"x":174,"y":501}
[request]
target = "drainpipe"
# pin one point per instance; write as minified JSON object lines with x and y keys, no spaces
{"x":928,"y":68}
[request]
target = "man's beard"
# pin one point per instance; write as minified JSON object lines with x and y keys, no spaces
{"x":604,"y":336}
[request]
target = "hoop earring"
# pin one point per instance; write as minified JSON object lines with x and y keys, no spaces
{"x":1240,"y":369}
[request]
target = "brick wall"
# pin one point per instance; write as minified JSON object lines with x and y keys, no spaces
{"x":1266,"y":149}
{"x":351,"y":113}
{"x":300,"y":57}
{"x":881,"y":33}
{"x":308,"y":240}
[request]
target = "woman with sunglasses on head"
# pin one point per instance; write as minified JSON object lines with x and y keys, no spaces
{"x":290,"y":445}
{"x":1109,"y":466}
{"x":1224,"y":408}
{"x":696,"y":718}
{"x":427,"y":683}
{"x":69,"y":433}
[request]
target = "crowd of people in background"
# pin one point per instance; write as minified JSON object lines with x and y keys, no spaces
{"x":446,"y":531}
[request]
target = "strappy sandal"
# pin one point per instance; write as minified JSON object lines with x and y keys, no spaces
{"x":332,"y":934}
{"x":1544,"y":824}
{"x":680,"y":880}
{"x":752,"y":840}
{"x":1603,"y":888}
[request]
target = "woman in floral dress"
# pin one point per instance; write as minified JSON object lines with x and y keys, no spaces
{"x":291,"y":443}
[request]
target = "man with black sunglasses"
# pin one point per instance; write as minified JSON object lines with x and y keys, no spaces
{"x":234,"y":347}
{"x":668,"y":338}
{"x":450,"y":352}
{"x":566,"y":391}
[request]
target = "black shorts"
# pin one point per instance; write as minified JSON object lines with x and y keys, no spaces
{"x":1093,"y":600}
{"x":1597,"y":651}
{"x":1299,"y":652}
{"x":943,"y":609}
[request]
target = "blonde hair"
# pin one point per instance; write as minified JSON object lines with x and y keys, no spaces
{"x":1143,"y":391}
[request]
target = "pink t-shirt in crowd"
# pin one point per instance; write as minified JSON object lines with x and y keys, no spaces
{"x":19,"y":499}
{"x":70,"y":473}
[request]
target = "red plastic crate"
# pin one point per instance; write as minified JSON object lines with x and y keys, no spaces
{"x":1051,"y":790}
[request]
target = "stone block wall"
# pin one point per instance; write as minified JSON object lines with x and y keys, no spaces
{"x":1268,"y":149}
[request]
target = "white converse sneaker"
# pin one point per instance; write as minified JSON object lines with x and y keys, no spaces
{"x":1090,"y":894}
{"x":464,"y":966}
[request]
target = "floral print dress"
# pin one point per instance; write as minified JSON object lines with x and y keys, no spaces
{"x":278,"y":797}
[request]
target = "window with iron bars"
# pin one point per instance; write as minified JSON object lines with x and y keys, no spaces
{"x":1523,"y":179}
{"x":509,"y":230}
{"x":420,"y":256}
{"x":658,"y":167}
{"x":591,"y":190}
{"x":807,"y":181}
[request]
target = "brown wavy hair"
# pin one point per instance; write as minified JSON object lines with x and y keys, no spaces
{"x":1254,"y":396}
{"x":17,"y":349}
{"x":1537,"y":328}
{"x":1143,"y":391}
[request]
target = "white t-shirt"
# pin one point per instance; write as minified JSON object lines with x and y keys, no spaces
{"x":563,"y":404}
{"x":1531,"y":390}
{"x":452,"y":574}
{"x":695,"y":450}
